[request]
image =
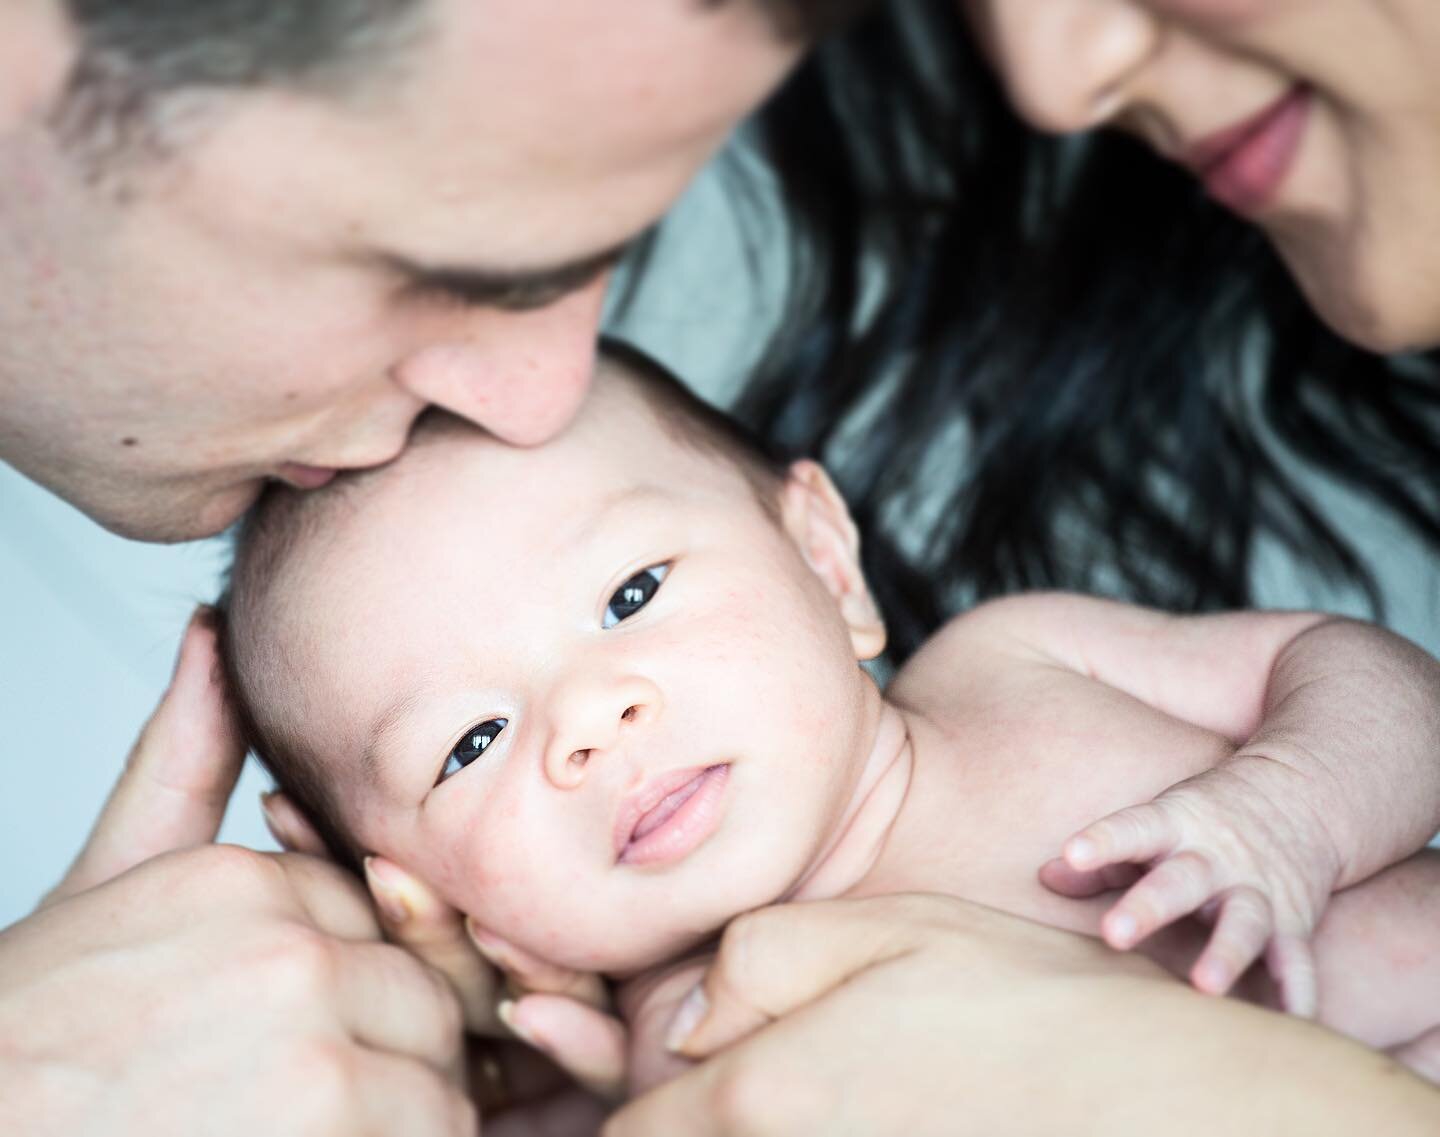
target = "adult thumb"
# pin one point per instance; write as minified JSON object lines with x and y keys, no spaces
{"x":177,"y":780}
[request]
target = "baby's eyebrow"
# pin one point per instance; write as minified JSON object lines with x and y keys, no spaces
{"x":618,"y":502}
{"x":380,"y":738}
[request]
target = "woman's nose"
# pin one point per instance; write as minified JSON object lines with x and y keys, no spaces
{"x":1068,"y":65}
{"x":520,"y":375}
{"x":592,"y":717}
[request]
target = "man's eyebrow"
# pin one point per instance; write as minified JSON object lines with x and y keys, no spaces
{"x":515,"y":289}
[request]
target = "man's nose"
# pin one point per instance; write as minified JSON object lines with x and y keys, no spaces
{"x":592,"y":716}
{"x":520,"y":375}
{"x":1068,"y":65}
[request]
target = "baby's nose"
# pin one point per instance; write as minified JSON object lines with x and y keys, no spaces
{"x":594,"y":720}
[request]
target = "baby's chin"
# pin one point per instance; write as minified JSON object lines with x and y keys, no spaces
{"x":622,"y":961}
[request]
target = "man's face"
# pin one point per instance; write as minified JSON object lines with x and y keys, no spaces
{"x":574,"y":634}
{"x":283,"y":292}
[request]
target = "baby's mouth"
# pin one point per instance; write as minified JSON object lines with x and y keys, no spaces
{"x":669,"y":817}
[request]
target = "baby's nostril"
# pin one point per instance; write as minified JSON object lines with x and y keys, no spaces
{"x":580,"y":757}
{"x":630,"y":713}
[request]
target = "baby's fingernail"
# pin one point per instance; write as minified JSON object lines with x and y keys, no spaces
{"x":1081,"y":852}
{"x":1121,"y":928}
{"x":1213,"y":978}
{"x":386,"y":891}
{"x":687,"y":1018}
{"x":505,"y":1009}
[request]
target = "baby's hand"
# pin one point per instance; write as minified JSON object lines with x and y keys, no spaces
{"x":564,"y":1014}
{"x":1234,"y":846}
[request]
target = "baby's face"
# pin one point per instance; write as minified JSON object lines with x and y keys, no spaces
{"x":591,"y":691}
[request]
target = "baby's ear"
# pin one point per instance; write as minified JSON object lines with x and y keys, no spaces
{"x":818,"y":521}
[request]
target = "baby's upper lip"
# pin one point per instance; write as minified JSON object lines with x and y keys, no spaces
{"x":650,"y":794}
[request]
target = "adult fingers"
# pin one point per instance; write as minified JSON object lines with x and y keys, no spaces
{"x":391,"y":1096}
{"x":1174,"y":888}
{"x":529,"y":973}
{"x":587,"y":1044}
{"x":177,"y":781}
{"x":389,"y":1001}
{"x":320,"y":893}
{"x":1059,"y":877}
{"x":570,"y":1112}
{"x":416,"y":918}
{"x":774,"y":960}
{"x":1136,"y":835}
{"x":1243,"y":927}
{"x":290,"y":828}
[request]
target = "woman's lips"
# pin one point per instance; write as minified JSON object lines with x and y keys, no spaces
{"x":1243,"y":167}
{"x":669,"y":818}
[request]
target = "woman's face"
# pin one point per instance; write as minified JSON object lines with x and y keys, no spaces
{"x":1319,"y":120}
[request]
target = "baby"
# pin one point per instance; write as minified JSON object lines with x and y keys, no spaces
{"x":603,"y":695}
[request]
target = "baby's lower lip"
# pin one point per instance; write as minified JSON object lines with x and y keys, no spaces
{"x":685,"y":826}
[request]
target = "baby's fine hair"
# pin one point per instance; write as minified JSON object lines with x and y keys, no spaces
{"x":253,"y":616}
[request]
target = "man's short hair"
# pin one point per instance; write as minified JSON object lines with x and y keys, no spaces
{"x":133,"y":53}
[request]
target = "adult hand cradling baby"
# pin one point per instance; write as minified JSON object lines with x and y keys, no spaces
{"x":246,"y":969}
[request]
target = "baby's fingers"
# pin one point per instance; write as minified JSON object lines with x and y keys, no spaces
{"x":1137,"y":835}
{"x":1174,"y":888}
{"x":584,"y":1042}
{"x":1060,"y":878}
{"x":1291,"y":961}
{"x":1242,"y":929}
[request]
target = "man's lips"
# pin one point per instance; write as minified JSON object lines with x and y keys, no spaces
{"x":1243,"y":165}
{"x":307,"y":477}
{"x":668,"y":816}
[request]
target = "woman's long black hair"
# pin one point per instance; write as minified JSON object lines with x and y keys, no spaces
{"x":1056,"y":361}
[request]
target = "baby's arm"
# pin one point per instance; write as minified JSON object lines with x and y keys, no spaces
{"x":1336,"y":772}
{"x":1379,"y":961}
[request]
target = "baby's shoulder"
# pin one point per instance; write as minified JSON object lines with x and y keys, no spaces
{"x":983,"y":651}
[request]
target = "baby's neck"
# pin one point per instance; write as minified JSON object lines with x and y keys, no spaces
{"x":859,"y":839}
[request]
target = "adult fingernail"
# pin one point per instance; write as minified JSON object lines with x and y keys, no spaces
{"x":687,"y":1018}
{"x":386,"y":891}
{"x":272,"y":820}
{"x":505,"y":1009}
{"x":491,"y":947}
{"x":1121,"y":928}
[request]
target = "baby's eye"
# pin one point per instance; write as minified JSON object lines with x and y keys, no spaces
{"x":633,"y":595}
{"x":476,"y":741}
